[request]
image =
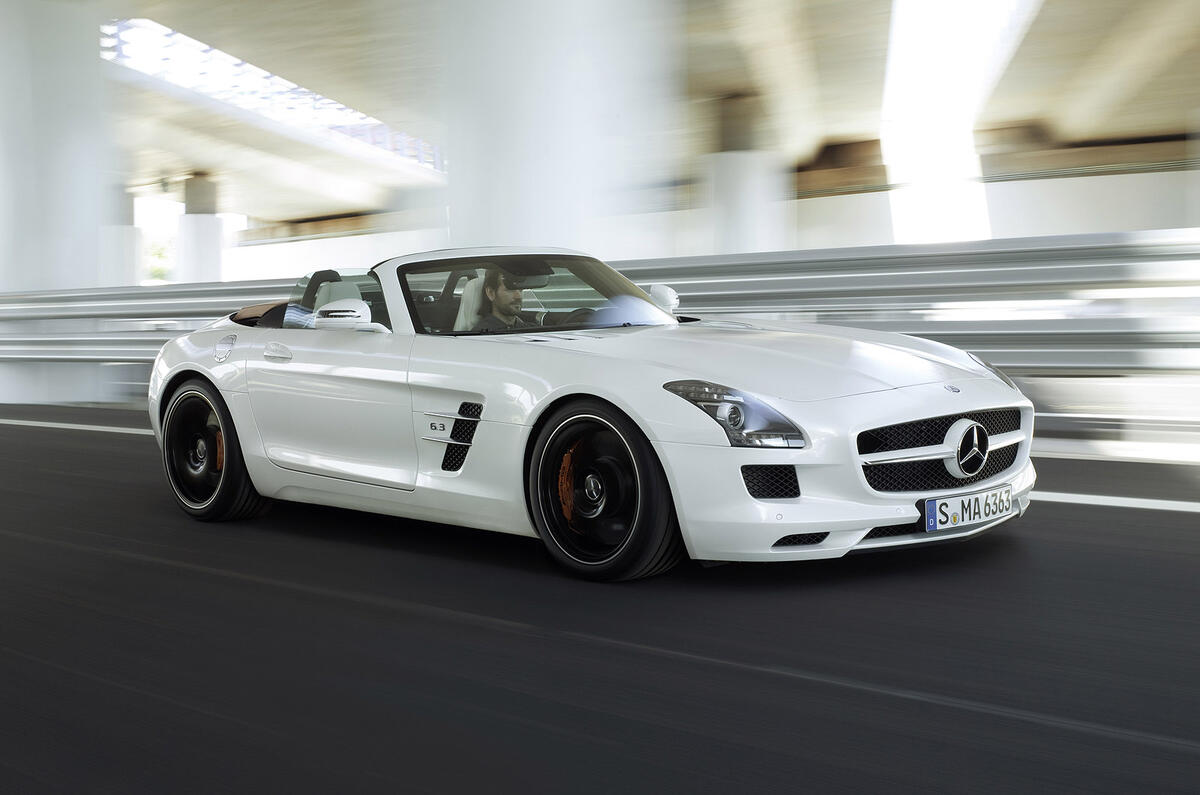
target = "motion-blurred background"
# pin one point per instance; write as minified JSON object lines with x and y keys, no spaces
{"x":1016,"y":177}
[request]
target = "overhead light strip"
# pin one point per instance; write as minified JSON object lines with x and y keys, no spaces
{"x":153,"y":49}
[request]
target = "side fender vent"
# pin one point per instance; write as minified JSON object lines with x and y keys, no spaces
{"x":454,"y":457}
{"x":463,"y":432}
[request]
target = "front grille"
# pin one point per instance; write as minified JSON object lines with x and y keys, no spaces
{"x":931,"y":431}
{"x":801,"y":540}
{"x":931,"y":475}
{"x":771,"y":481}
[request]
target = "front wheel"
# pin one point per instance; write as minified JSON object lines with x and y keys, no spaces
{"x":203,"y":459}
{"x":599,"y":498}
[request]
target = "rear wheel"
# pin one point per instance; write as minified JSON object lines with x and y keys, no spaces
{"x":600,"y":500}
{"x":203,"y":459}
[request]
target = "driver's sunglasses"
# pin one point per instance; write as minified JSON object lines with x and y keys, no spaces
{"x":511,"y":285}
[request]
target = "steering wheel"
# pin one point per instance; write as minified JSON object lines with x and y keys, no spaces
{"x":579,"y":315}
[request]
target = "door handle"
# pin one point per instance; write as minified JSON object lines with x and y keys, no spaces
{"x":277,"y":351}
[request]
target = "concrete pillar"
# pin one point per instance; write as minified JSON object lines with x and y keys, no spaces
{"x":1193,"y":176}
{"x":746,"y":186}
{"x":54,"y":162}
{"x":557,"y":113}
{"x":53,"y":144}
{"x":200,"y":233}
{"x":120,"y":240}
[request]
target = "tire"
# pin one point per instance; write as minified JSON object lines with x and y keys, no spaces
{"x":203,"y":457}
{"x":599,"y":499}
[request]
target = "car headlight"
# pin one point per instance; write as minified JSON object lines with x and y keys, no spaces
{"x":996,"y":371}
{"x":746,"y":420}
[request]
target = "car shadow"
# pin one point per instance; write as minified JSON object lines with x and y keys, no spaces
{"x":886,"y":566}
{"x":524,"y":554}
{"x":410,"y":536}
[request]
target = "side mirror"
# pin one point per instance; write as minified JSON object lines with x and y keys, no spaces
{"x":664,"y":297}
{"x":347,"y":313}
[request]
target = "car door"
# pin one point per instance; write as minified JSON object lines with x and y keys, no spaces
{"x":336,"y":402}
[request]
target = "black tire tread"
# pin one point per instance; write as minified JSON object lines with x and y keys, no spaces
{"x":668,"y":555}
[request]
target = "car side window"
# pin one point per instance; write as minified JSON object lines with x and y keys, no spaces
{"x":372,"y":293}
{"x":300,"y":310}
{"x":429,"y":298}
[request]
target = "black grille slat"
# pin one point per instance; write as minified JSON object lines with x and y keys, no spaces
{"x":801,"y":540}
{"x":771,"y":481}
{"x":472,"y":410}
{"x":932,"y":430}
{"x":454,"y":457}
{"x":932,"y":475}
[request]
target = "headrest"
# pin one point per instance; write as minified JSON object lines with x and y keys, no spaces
{"x":335,"y":291}
{"x":468,"y":309}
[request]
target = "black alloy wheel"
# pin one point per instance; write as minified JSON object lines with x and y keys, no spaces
{"x":599,"y":498}
{"x":202,"y":456}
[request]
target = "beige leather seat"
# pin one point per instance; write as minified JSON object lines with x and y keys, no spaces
{"x":468,"y":308}
{"x":335,"y":291}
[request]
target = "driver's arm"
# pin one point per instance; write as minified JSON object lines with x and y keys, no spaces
{"x":533,"y":318}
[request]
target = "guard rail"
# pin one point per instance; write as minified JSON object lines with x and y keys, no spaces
{"x":1077,"y":305}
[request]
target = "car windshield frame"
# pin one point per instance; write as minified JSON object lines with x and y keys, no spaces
{"x":595,"y":274}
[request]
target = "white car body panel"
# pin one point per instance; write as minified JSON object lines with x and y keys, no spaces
{"x":328,"y":403}
{"x":355,"y":419}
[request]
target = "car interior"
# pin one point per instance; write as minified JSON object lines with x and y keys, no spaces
{"x":311,"y":293}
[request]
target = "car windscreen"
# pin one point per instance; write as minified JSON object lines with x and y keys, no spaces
{"x":522,"y":293}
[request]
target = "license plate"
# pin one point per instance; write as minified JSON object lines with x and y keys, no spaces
{"x":949,"y":513}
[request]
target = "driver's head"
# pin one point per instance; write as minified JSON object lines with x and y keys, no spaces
{"x":502,"y":294}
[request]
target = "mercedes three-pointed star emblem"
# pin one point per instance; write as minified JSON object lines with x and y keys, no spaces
{"x":970,"y":440}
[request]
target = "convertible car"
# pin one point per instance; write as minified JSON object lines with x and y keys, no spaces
{"x":541,"y":393}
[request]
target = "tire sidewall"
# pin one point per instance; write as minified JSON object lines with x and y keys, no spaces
{"x":654,"y":516}
{"x":234,"y":469}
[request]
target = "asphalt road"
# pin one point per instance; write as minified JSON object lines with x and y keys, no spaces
{"x":331,"y":651}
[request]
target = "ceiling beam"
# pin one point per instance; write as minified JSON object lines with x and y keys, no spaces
{"x":777,"y":46}
{"x":1146,"y":42}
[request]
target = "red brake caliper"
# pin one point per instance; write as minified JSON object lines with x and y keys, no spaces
{"x":566,"y":485}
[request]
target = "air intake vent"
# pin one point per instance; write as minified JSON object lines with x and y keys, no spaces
{"x":897,"y":530}
{"x":462,"y":432}
{"x":771,"y":481}
{"x":454,"y":457}
{"x":801,"y":540}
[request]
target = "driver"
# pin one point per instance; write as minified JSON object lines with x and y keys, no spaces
{"x":502,"y":303}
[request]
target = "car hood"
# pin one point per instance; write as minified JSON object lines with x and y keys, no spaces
{"x":790,"y":361}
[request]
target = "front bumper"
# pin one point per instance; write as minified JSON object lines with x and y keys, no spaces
{"x":719,"y":519}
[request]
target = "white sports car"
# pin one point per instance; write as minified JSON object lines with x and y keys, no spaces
{"x":541,"y":393}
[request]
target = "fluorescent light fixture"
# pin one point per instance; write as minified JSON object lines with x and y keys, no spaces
{"x":944,"y":58}
{"x":158,"y":51}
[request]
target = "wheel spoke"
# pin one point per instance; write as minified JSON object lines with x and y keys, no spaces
{"x":195,"y":449}
{"x":588,"y":479}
